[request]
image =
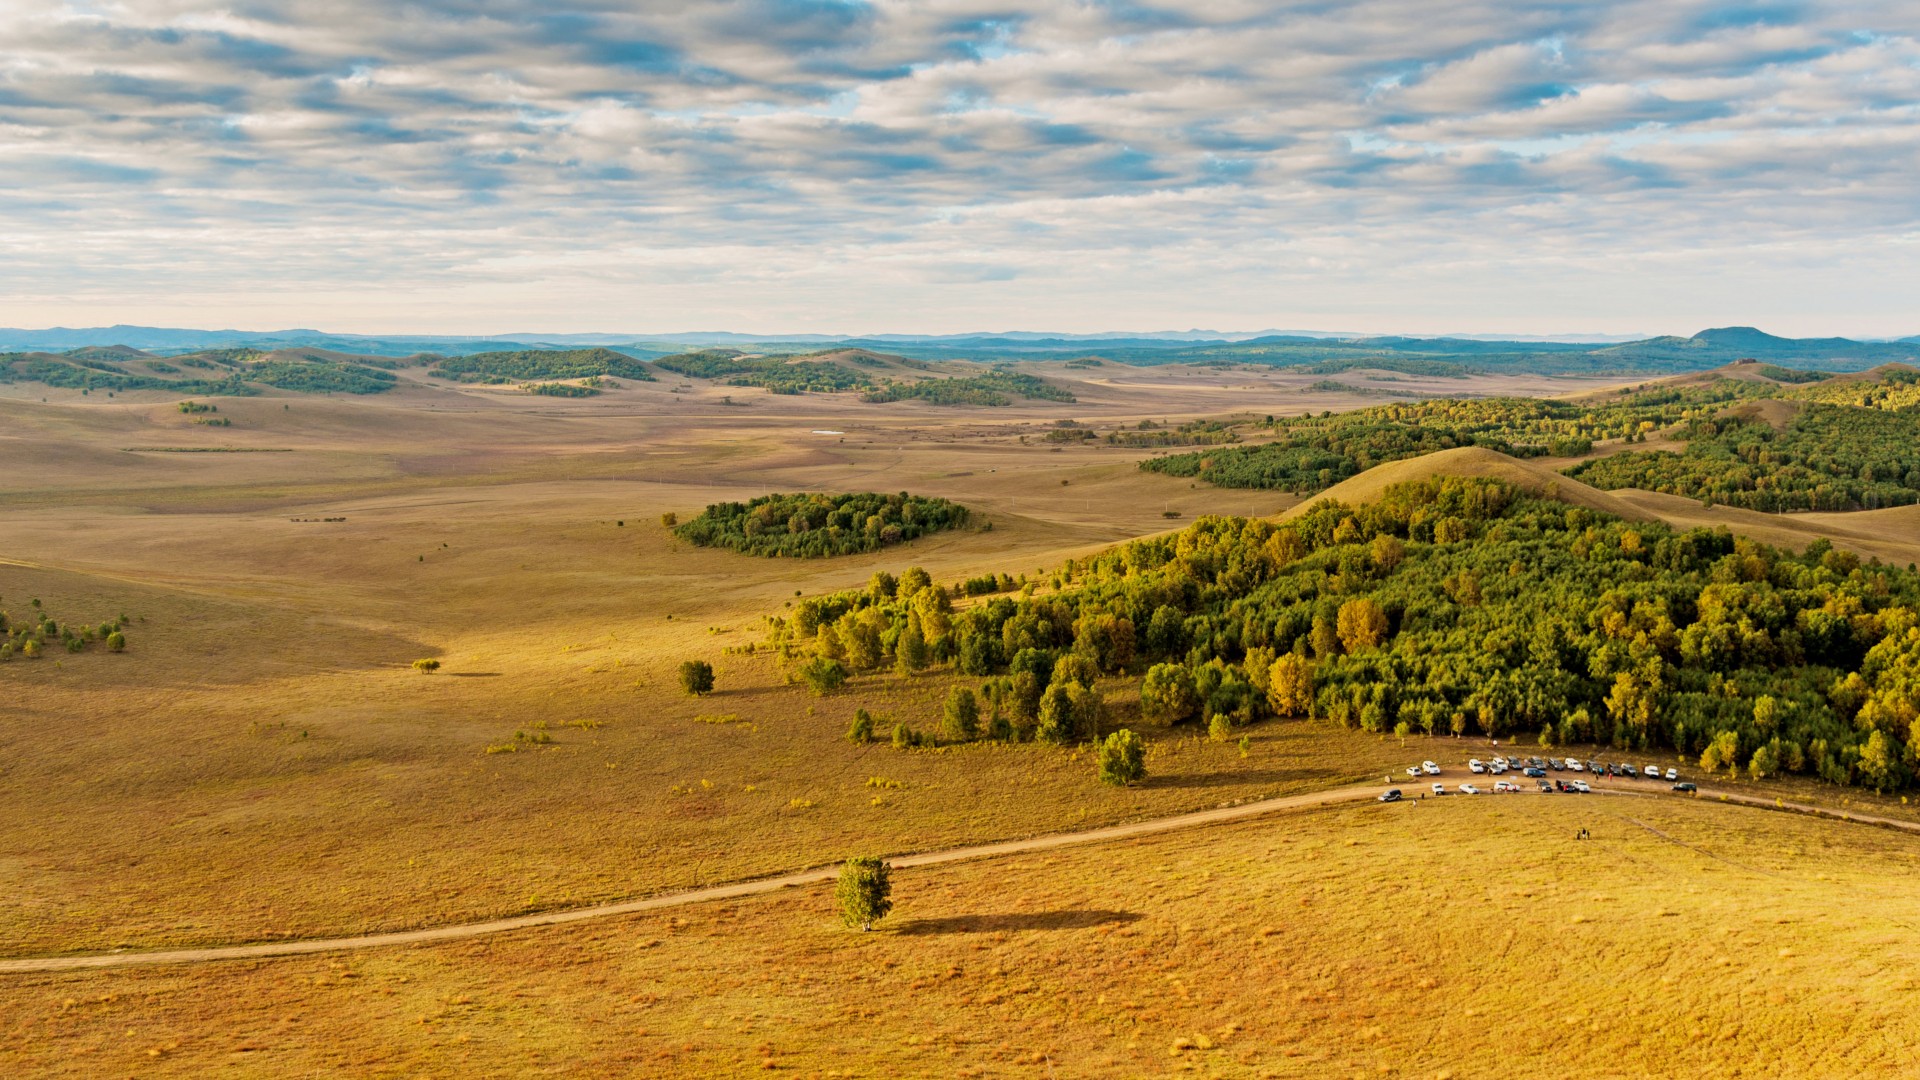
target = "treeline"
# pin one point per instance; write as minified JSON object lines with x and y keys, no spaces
{"x":1828,"y":457}
{"x":528,"y":365}
{"x":66,"y":375}
{"x":1311,"y":454}
{"x":317,"y":376}
{"x":994,"y":388}
{"x":1451,"y":605}
{"x":1194,"y":433}
{"x":820,"y":525}
{"x":776,"y":374}
{"x":34,"y":634}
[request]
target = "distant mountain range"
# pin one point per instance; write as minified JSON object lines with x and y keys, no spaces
{"x":1574,"y":354}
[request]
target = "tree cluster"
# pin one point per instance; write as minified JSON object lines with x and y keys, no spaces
{"x":34,"y":634}
{"x":817,"y":525}
{"x":992,"y":388}
{"x":531,"y":365}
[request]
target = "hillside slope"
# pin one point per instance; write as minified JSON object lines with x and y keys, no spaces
{"x":1475,"y":461}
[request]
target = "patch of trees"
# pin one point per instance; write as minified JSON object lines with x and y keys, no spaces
{"x":557,"y":389}
{"x":66,"y":375}
{"x":781,"y":375}
{"x":1897,"y":388}
{"x":1789,"y":375}
{"x":1829,"y":457}
{"x":314,"y":376}
{"x":1450,"y":606}
{"x":529,"y":365}
{"x":1194,"y":433}
{"x":994,"y":388}
{"x":1311,"y":454}
{"x":35,"y":633}
{"x":815,"y":525}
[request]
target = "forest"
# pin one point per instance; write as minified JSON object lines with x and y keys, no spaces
{"x":1828,"y":457}
{"x":994,"y":388}
{"x":530,"y":365}
{"x":1193,"y":433}
{"x":1452,"y":605}
{"x":316,"y":376}
{"x":811,"y":525}
{"x":777,"y":374}
{"x":1897,"y":388}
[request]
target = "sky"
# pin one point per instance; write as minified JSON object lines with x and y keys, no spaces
{"x":785,"y":166}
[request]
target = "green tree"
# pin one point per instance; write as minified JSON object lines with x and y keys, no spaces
{"x":425,"y":666}
{"x":1123,"y":758}
{"x":861,"y":730}
{"x":696,"y":677}
{"x":962,"y":715}
{"x":1880,"y":763}
{"x":1057,"y":719}
{"x":910,"y":652}
{"x":1167,"y":695}
{"x":1722,"y":752}
{"x":823,"y":675}
{"x":865,"y":892}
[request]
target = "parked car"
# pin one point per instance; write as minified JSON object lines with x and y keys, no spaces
{"x":1673,"y":774}
{"x":1546,"y":786}
{"x":1594,"y":768}
{"x":1430,"y":768}
{"x":1683,"y":786}
{"x":1628,"y":770}
{"x":1651,"y":772}
{"x":1505,"y":785}
{"x":1582,"y":787}
{"x":1574,"y":765}
{"x":1439,"y":789}
{"x":1513,"y":763}
{"x":1413,"y":771}
{"x":1390,"y":795}
{"x":1469,"y":789}
{"x":1535,"y":772}
{"x":1474,"y":766}
{"x":1497,"y":767}
{"x":1556,"y":764}
{"x":1536,"y":763}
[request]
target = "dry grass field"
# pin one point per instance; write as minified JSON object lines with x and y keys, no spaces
{"x":263,"y":763}
{"x":1459,"y":937}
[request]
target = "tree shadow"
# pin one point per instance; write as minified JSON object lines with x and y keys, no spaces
{"x":473,"y":674}
{"x":1204,"y":780}
{"x":1033,"y":920}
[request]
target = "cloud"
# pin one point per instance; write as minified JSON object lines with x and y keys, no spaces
{"x":1053,"y":165}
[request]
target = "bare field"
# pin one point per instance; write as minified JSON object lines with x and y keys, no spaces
{"x":1462,"y":937}
{"x":263,"y":762}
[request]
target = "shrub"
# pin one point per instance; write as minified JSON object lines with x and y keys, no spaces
{"x":669,"y":519}
{"x":861,"y":730}
{"x":824,"y":674}
{"x":905,"y":738}
{"x":865,"y":892}
{"x":425,"y":666}
{"x":1123,"y":758}
{"x":696,"y":677}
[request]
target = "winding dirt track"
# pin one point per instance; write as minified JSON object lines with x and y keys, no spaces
{"x":807,"y":877}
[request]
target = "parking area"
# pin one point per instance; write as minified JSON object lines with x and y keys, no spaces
{"x":1509,"y":774}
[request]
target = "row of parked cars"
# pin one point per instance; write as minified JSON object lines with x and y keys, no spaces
{"x":1536,"y":769}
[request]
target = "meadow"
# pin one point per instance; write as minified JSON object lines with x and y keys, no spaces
{"x":264,"y":762}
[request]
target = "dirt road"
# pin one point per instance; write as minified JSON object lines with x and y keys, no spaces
{"x":814,"y":877}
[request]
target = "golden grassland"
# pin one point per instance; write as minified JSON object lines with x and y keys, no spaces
{"x":1458,"y":937}
{"x":263,"y":762}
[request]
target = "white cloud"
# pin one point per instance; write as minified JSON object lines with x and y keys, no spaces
{"x":813,"y":164}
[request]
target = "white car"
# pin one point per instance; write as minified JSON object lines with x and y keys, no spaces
{"x":1651,"y":772}
{"x":1413,"y":771}
{"x":1430,"y":768}
{"x":1575,"y":766}
{"x":1474,"y":766}
{"x":1439,"y":789}
{"x":1469,"y":789}
{"x":1582,"y":786}
{"x":1497,"y":767}
{"x":1673,"y":774}
{"x":1505,"y":785}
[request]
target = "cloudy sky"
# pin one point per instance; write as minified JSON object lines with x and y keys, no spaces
{"x":949,"y":165}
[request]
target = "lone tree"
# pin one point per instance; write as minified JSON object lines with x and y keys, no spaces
{"x":861,"y":730}
{"x":865,"y":892}
{"x":425,"y":666}
{"x":1123,"y":758}
{"x":696,"y":677}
